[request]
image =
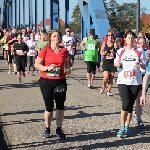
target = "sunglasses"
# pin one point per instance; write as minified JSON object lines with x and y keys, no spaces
{"x":110,"y":35}
{"x":68,"y":31}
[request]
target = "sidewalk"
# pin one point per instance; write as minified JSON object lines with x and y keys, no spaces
{"x":91,"y":119}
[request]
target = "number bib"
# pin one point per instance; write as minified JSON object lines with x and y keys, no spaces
{"x":19,"y":52}
{"x":91,"y":46}
{"x":129,"y":74}
{"x":54,"y":73}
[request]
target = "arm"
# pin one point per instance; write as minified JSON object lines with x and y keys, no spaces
{"x":116,"y":60}
{"x":102,"y":52}
{"x":82,"y":44}
{"x":36,"y":47}
{"x":144,"y":88}
{"x":62,"y":43}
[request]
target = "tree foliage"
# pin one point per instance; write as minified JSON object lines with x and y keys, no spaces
{"x":122,"y":16}
{"x":75,"y":24}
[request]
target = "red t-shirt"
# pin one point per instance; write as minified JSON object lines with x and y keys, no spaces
{"x":49,"y":57}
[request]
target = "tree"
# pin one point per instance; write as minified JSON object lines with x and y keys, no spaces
{"x":75,"y":24}
{"x":122,"y":16}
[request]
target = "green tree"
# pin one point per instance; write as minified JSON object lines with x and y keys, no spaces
{"x":75,"y":24}
{"x":122,"y":16}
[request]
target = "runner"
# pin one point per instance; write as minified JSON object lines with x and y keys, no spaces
{"x":32,"y":54}
{"x":3,"y":41}
{"x":51,"y":62}
{"x":138,"y":109}
{"x":92,"y":45}
{"x":20,"y":49}
{"x":68,"y":42}
{"x":108,"y":50}
{"x":129,"y":80}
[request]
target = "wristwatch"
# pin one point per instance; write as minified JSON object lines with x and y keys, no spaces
{"x":46,"y":68}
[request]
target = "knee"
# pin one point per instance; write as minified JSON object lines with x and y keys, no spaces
{"x":49,"y":107}
{"x":105,"y":79}
{"x":60,"y":105}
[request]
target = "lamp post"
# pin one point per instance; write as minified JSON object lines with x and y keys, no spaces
{"x":138,"y":17}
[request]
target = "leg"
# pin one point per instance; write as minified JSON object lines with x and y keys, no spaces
{"x":47,"y":93}
{"x":33,"y":62}
{"x":105,"y":79}
{"x":29,"y":58}
{"x":138,"y":108}
{"x":110,"y":82}
{"x":93,"y":71}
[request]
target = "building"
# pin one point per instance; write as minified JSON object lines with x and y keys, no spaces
{"x":145,"y":18}
{"x":48,"y":22}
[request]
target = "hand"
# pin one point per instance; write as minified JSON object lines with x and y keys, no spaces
{"x":137,"y":65}
{"x":51,"y":67}
{"x":112,"y":51}
{"x":66,"y":71}
{"x":143,"y":100}
{"x":105,"y":52}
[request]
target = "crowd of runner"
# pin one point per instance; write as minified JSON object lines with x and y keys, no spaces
{"x":53,"y":55}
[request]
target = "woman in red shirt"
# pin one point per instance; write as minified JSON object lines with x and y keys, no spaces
{"x":53,"y":62}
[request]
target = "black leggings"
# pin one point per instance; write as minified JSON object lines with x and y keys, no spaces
{"x":20,"y":63}
{"x":128,"y":95}
{"x":47,"y":89}
{"x":91,"y":67}
{"x":10,"y":57}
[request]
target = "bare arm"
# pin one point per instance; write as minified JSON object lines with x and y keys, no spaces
{"x":82,"y":44}
{"x":39,"y":66}
{"x":102,"y":52}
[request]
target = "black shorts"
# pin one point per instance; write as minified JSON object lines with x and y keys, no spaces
{"x":91,"y":67}
{"x":128,"y":95}
{"x":71,"y":57}
{"x":109,"y":66}
{"x":47,"y":87}
{"x":20,"y":63}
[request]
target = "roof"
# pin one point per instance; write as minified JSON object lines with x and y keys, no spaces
{"x":48,"y":22}
{"x":145,"y":18}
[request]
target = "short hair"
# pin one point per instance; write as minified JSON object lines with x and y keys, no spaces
{"x":129,"y":32}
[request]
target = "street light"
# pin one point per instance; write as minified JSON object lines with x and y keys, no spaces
{"x":138,"y":17}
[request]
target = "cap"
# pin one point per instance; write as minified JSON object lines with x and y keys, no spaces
{"x":92,"y":31}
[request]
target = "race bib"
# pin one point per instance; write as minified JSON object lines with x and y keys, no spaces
{"x":110,"y":56}
{"x":54,"y":73}
{"x":129,"y":74}
{"x":91,"y":46}
{"x":19,"y":52}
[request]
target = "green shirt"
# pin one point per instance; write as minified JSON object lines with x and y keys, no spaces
{"x":40,"y":45}
{"x":91,"y":52}
{"x":4,"y":40}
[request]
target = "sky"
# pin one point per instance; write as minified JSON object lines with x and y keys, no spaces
{"x":72,"y":5}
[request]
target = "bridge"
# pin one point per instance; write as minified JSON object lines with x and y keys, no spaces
{"x":93,"y":14}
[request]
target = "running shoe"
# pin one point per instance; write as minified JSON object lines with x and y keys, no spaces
{"x":102,"y":90}
{"x":109,"y":93}
{"x":19,"y":80}
{"x":89,"y":85}
{"x":27,"y":72}
{"x":9,"y":72}
{"x":140,"y":123}
{"x":60,"y":134}
{"x":47,"y":134}
{"x":120,"y":133}
{"x":127,"y":131}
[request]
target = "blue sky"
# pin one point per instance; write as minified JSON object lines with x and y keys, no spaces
{"x":72,"y":4}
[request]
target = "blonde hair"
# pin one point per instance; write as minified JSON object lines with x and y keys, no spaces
{"x":48,"y":37}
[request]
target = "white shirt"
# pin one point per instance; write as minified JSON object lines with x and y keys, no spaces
{"x":69,"y":40}
{"x":129,"y":75}
{"x":32,"y":51}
